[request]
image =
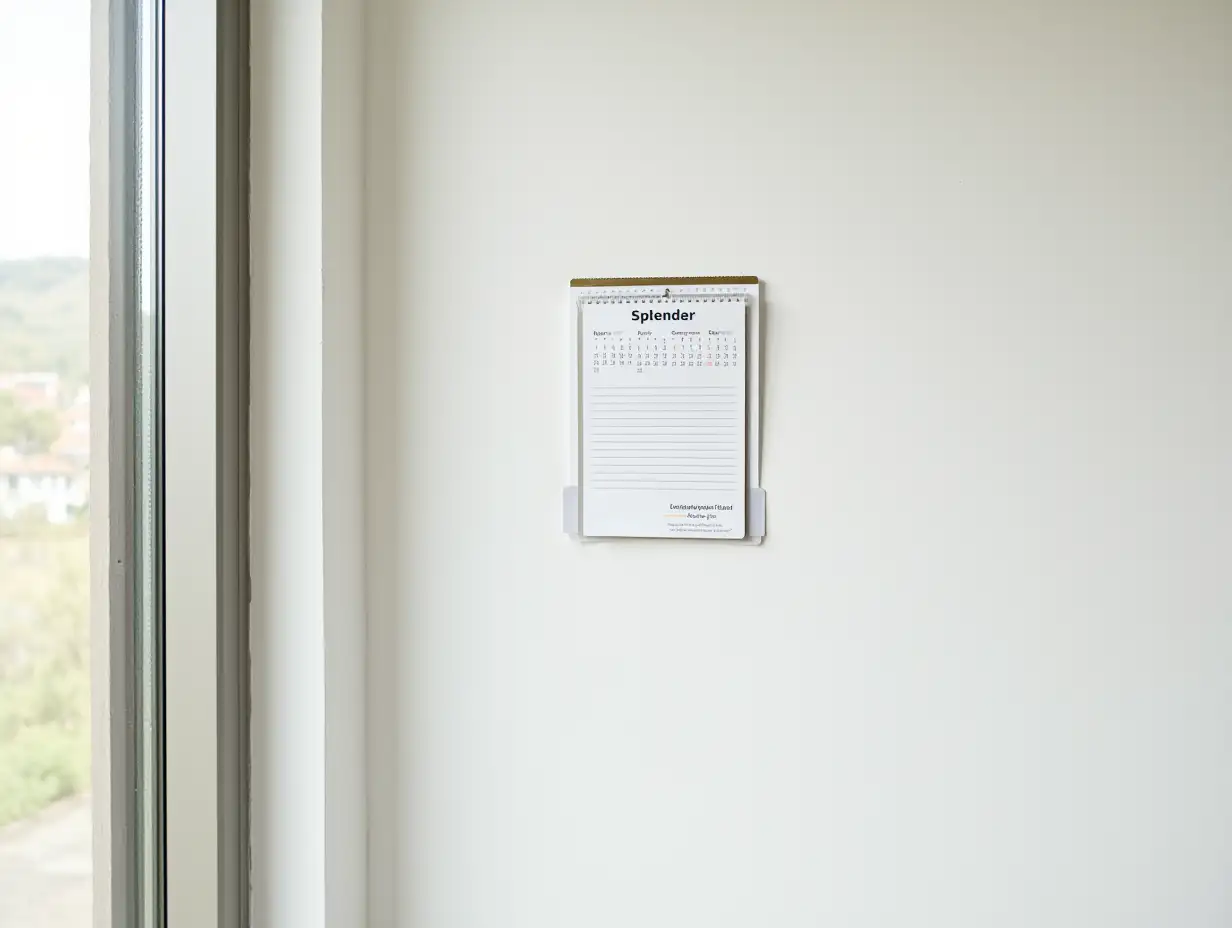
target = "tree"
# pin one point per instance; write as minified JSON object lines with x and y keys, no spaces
{"x":28,"y":430}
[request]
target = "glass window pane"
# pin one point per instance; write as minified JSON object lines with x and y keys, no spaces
{"x":146,"y":514}
{"x":45,"y":642}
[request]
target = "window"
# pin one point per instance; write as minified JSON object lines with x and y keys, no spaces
{"x":47,"y":791}
{"x":121,"y":556}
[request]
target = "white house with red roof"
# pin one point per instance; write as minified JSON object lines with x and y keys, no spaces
{"x":53,"y":484}
{"x":41,"y":484}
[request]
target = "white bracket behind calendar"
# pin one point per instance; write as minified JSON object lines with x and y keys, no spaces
{"x":728,"y":294}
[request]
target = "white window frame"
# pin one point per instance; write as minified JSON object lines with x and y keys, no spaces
{"x":200,"y":130}
{"x":303,"y":859}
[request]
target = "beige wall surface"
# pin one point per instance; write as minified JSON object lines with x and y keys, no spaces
{"x":978,"y":673}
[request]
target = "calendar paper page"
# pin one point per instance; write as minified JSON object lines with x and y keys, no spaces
{"x":663,"y":410}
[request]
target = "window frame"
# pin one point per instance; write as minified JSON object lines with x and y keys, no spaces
{"x":196,"y":248}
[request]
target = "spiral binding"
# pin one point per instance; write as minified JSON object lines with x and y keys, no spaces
{"x":666,"y":297}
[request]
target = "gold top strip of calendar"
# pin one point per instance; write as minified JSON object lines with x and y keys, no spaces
{"x":661,"y":281}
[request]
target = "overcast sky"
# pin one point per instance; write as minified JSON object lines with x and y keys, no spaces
{"x":44,"y":127}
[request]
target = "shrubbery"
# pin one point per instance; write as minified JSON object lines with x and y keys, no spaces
{"x":44,"y":671}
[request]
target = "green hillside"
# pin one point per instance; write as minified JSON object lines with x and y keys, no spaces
{"x":45,"y":317}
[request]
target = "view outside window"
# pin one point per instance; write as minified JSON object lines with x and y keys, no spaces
{"x":45,"y":804}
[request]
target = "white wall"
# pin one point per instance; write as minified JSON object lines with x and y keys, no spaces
{"x":978,"y":674}
{"x":308,"y":640}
